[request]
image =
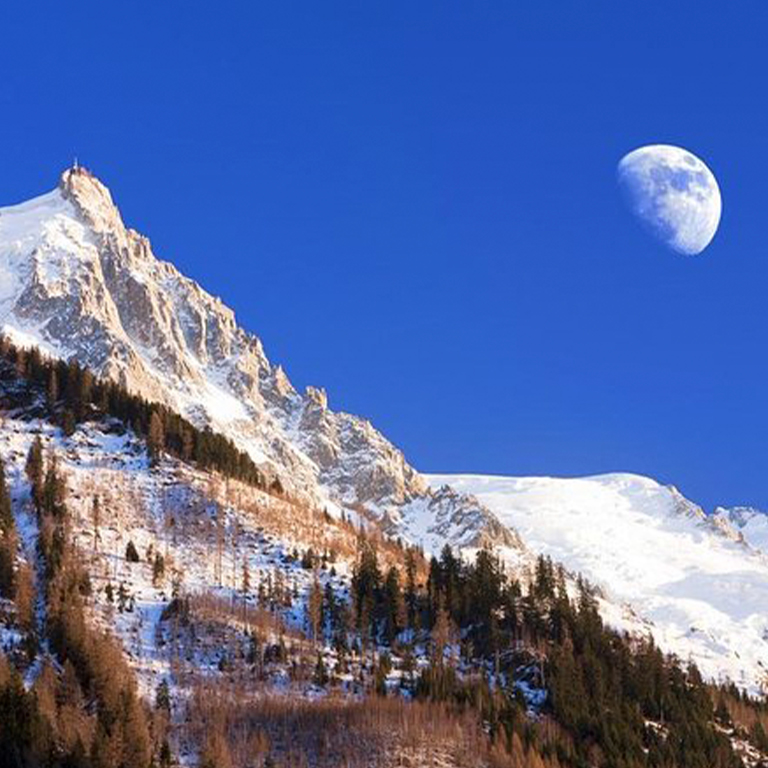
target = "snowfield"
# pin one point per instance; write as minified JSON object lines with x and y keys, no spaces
{"x":751,"y":523}
{"x":689,"y":577}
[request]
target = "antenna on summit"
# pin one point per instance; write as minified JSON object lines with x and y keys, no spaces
{"x":76,"y":166}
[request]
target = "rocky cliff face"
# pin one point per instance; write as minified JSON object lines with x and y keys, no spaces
{"x":77,"y":282}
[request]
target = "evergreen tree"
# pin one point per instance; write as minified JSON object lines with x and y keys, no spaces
{"x":411,"y":596}
{"x":158,"y":570}
{"x":131,"y":553}
{"x":366,"y":586}
{"x":54,"y":490}
{"x":315,"y":610}
{"x":156,"y":437}
{"x":8,"y":545}
{"x":35,"y":468}
{"x":6,"y":514}
{"x":52,"y":390}
{"x":393,"y":606}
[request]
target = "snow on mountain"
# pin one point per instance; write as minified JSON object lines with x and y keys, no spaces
{"x":701,"y":592}
{"x":77,"y":283}
{"x":750,"y":523}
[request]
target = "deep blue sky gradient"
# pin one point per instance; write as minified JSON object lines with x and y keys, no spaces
{"x":414,"y":205}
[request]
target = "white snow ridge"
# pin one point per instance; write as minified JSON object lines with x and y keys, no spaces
{"x":684,"y":576}
{"x":77,"y":283}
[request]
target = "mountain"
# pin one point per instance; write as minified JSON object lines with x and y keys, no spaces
{"x":163,"y":600}
{"x":751,"y":523}
{"x":687,"y":577}
{"x":79,"y":284}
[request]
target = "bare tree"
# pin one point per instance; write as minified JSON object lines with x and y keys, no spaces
{"x":96,"y":522}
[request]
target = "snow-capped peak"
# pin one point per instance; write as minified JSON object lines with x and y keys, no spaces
{"x":77,"y":282}
{"x":92,"y":200}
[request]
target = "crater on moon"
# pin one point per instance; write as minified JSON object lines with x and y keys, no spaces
{"x":673,"y":194}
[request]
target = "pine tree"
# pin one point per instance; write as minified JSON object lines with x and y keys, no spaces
{"x":315,"y":610}
{"x":165,"y":756}
{"x":393,"y":606}
{"x":156,"y":437}
{"x":52,"y":390}
{"x":131,"y":553}
{"x":411,"y":597}
{"x":83,"y":392}
{"x":331,"y":608}
{"x":8,"y":545}
{"x":366,"y":586}
{"x":158,"y":570}
{"x":450,"y":569}
{"x":34,"y":469}
{"x":6,"y":514}
{"x":16,"y":711}
{"x":54,"y":490}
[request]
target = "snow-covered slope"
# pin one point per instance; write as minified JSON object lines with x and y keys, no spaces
{"x":702,"y":592}
{"x":751,"y":523}
{"x":76,"y":282}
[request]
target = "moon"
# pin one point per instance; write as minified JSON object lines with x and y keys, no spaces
{"x":673,"y":194}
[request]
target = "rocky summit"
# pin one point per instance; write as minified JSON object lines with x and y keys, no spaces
{"x":78,"y":283}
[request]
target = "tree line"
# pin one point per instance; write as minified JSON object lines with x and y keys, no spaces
{"x":68,"y":394}
{"x":611,"y":699}
{"x":83,"y":711}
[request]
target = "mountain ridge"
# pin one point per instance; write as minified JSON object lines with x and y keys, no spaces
{"x":691,"y":578}
{"x":87,"y":286}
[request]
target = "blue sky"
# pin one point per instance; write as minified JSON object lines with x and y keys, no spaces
{"x":415,"y":205}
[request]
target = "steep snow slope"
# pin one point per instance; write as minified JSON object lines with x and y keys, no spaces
{"x":76,"y":282}
{"x":702,"y":592}
{"x":751,"y":523}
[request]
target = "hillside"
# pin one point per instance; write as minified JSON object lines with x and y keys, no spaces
{"x":78,"y":284}
{"x":241,"y":616}
{"x":689,"y":578}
